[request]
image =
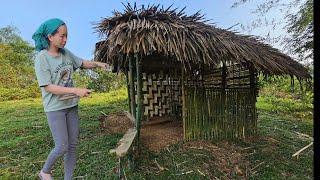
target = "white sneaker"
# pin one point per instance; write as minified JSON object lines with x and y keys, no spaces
{"x":44,"y":176}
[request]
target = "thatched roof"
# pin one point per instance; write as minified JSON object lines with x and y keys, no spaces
{"x":186,"y":39}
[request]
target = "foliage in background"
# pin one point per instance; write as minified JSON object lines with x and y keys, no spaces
{"x":99,"y":80}
{"x":277,"y":95}
{"x":17,"y":79}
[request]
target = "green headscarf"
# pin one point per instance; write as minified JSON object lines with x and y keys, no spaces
{"x":40,"y":37}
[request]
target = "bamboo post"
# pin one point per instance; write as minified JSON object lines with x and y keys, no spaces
{"x":183,"y":103}
{"x":223,"y":98}
{"x":187,"y":114}
{"x":216,"y":101}
{"x":213,"y":113}
{"x":292,"y":83}
{"x":193,"y":112}
{"x":253,"y":85}
{"x":300,"y":83}
{"x":132,"y":91}
{"x":128,"y":89}
{"x":139,"y":95}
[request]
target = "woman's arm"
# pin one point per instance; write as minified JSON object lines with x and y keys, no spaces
{"x":59,"y":90}
{"x":93,"y":64}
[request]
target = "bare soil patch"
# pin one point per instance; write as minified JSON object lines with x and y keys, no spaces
{"x":156,"y":134}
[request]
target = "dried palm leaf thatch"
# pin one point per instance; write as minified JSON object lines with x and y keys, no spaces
{"x":189,"y":40}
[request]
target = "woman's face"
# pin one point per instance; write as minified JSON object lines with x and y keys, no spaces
{"x":59,"y":39}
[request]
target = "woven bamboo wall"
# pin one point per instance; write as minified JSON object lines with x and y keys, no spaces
{"x":214,"y":112}
{"x":161,"y":95}
{"x":220,"y":103}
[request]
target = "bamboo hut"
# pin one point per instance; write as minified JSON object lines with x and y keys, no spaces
{"x":180,"y":65}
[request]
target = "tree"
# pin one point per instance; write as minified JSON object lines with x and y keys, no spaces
{"x":8,"y":35}
{"x":17,"y":78}
{"x":298,"y":23}
{"x":301,"y":29}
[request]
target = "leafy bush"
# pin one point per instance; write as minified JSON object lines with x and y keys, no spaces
{"x":99,"y":80}
{"x":15,"y":93}
{"x":278,"y":95}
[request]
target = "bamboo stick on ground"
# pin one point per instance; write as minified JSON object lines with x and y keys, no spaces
{"x":304,"y":148}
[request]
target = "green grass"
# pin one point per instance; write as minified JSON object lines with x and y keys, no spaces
{"x":269,"y":156}
{"x":26,"y":141}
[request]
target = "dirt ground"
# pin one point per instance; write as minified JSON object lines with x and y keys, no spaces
{"x":155,"y":135}
{"x":159,"y":133}
{"x":159,"y":136}
{"x":229,"y":158}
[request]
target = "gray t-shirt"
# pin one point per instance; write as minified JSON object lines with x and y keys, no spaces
{"x":56,"y":70}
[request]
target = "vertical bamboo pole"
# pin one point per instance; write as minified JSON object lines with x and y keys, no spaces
{"x":190,"y":105}
{"x":213,"y":114}
{"x":223,"y":98}
{"x":253,"y":87}
{"x":185,"y":125}
{"x":216,"y":101}
{"x":132,"y":91}
{"x":189,"y":128}
{"x":233,"y":113}
{"x":183,"y":103}
{"x":292,"y":83}
{"x":300,"y":83}
{"x":239,"y":93}
{"x":188,"y":113}
{"x":139,"y":96}
{"x":250,"y":101}
{"x":193,"y":112}
{"x":227,"y":117}
{"x":206,"y":113}
{"x":209,"y":114}
{"x":201,"y":115}
{"x":237,"y":112}
{"x":128,"y":89}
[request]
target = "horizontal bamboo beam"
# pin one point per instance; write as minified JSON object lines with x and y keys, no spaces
{"x":124,"y":143}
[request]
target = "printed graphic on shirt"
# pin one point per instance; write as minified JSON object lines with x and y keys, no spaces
{"x":66,"y":81}
{"x":62,"y":65}
{"x":66,"y":78}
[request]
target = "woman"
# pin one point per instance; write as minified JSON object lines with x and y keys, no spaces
{"x":54,"y":66}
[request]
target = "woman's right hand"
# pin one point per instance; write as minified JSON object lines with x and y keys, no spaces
{"x":82,"y":92}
